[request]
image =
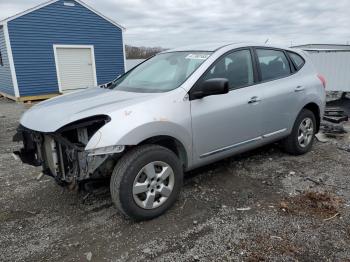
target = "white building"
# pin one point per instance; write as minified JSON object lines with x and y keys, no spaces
{"x":333,"y":62}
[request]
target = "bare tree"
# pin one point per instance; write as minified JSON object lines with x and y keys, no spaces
{"x":133,"y":52}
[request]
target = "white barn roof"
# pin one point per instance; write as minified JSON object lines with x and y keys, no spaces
{"x":323,"y":47}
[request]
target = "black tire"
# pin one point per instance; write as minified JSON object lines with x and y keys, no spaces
{"x":125,"y":172}
{"x":291,"y":144}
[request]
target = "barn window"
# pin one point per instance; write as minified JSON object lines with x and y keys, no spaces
{"x":1,"y":61}
{"x":68,"y":3}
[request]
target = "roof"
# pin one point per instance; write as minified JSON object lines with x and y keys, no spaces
{"x":53,"y":1}
{"x":199,"y":47}
{"x":212,"y":47}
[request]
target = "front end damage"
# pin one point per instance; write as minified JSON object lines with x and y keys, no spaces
{"x":62,"y":154}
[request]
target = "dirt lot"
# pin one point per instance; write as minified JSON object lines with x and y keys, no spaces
{"x":260,"y":206}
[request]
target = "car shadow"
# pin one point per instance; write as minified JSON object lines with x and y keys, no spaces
{"x":98,"y":190}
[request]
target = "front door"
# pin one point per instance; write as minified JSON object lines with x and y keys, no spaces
{"x":222,"y":124}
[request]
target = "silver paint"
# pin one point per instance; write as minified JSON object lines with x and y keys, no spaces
{"x":202,"y":126}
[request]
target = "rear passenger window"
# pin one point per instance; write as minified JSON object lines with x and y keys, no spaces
{"x":297,"y":60}
{"x":273,"y":64}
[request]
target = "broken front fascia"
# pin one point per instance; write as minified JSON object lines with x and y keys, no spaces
{"x":62,"y":154}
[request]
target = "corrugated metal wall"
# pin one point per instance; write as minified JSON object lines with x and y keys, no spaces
{"x":6,"y":85}
{"x":335,"y":67}
{"x":33,"y":35}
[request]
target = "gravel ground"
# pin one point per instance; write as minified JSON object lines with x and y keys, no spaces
{"x":261,"y":206}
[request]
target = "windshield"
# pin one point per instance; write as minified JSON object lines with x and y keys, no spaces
{"x":161,"y":73}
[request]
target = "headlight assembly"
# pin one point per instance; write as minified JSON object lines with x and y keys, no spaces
{"x":105,"y":150}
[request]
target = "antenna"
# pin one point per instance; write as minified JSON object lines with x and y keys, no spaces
{"x":267,"y":41}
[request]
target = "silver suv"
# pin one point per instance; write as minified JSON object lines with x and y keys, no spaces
{"x":178,"y":110}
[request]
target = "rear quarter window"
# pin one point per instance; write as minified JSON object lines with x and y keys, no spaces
{"x":297,"y":60}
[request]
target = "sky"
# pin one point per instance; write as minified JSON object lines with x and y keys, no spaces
{"x":173,"y":23}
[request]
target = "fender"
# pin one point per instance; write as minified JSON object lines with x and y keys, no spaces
{"x":311,"y":97}
{"x":140,"y":133}
{"x":132,"y":125}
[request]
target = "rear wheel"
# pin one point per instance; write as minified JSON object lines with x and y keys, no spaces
{"x":146,"y":182}
{"x":300,"y":140}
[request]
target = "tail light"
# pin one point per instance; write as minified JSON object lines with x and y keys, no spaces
{"x":322,"y":79}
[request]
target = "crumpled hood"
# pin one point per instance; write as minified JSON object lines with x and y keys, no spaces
{"x":52,"y":114}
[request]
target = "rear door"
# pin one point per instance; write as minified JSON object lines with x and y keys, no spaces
{"x":279,"y":87}
{"x":222,"y":124}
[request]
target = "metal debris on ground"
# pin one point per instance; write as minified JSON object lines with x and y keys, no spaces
{"x":40,"y":176}
{"x":243,"y":208}
{"x":335,"y":115}
{"x":337,"y":214}
{"x":321,"y":138}
{"x":332,"y":124}
{"x":344,"y":148}
{"x":330,"y":129}
{"x":15,"y":156}
{"x":88,"y":256}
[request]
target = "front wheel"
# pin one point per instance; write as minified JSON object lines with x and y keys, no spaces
{"x":300,"y":140}
{"x":146,"y":182}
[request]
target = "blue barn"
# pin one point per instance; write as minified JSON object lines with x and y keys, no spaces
{"x":56,"y":47}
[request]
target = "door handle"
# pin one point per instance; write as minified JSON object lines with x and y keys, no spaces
{"x":253,"y":100}
{"x":299,"y":88}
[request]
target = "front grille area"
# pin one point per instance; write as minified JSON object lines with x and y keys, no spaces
{"x":51,"y":152}
{"x":58,"y":156}
{"x":65,"y":160}
{"x":62,"y":153}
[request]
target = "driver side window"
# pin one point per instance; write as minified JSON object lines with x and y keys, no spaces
{"x":236,"y":67}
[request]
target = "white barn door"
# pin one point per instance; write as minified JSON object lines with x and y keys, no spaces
{"x":75,"y":66}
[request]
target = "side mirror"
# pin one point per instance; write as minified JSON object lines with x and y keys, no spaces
{"x":214,"y":86}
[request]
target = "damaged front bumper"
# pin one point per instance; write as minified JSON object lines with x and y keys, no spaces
{"x":66,"y":161}
{"x":29,"y":153}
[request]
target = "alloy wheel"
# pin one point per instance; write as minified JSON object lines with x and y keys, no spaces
{"x":153,"y":185}
{"x":305,"y":132}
